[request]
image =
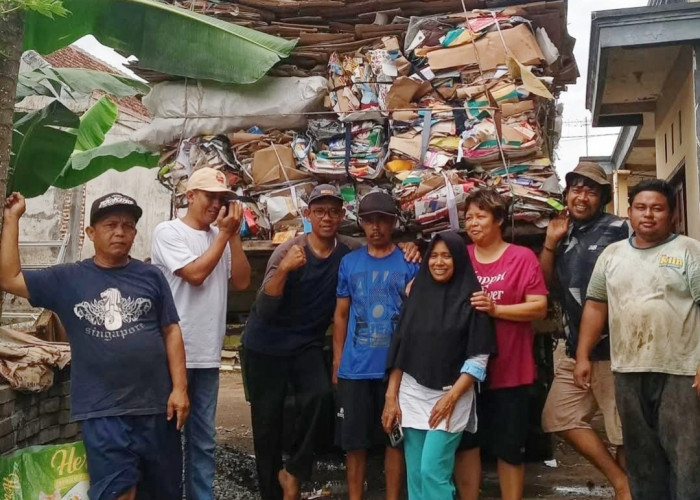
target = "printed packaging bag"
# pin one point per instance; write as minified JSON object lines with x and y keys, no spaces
{"x":56,"y":472}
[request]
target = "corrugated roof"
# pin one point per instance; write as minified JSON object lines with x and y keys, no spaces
{"x":73,"y":57}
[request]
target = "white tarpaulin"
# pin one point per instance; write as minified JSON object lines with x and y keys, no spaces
{"x":193,"y":108}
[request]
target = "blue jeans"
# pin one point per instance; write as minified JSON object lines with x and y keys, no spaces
{"x":200,"y":433}
{"x":430,"y":460}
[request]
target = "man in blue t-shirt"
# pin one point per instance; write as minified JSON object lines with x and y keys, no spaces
{"x":371,"y":288}
{"x":128,"y":378}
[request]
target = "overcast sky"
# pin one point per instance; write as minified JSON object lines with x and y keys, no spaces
{"x":573,"y":143}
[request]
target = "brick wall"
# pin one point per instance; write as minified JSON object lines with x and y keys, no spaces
{"x":28,"y":419}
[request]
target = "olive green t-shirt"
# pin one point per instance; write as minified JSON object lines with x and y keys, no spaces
{"x":653,"y":297}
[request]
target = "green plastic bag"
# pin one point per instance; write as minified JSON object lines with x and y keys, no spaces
{"x":57,"y":472}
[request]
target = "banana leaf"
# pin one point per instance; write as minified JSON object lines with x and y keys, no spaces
{"x":51,"y":81}
{"x":54,"y":147}
{"x":95,"y":123}
{"x":42,"y":143}
{"x":163,"y":37}
{"x":83,"y":166}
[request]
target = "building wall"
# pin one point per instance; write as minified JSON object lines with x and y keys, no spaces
{"x":676,"y":137}
{"x":139,"y":183}
{"x":28,"y":419}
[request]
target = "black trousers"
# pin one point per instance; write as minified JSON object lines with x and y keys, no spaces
{"x":267,"y":378}
{"x":660,"y":417}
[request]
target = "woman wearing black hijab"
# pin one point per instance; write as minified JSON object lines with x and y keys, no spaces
{"x":439,"y":350}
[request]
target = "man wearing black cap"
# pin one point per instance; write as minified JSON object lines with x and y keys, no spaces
{"x":371,"y":288}
{"x":284,"y":338}
{"x":573,"y":243}
{"x":128,"y":379}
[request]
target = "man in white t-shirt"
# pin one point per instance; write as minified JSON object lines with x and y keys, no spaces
{"x":648,"y":288}
{"x":198,"y":260}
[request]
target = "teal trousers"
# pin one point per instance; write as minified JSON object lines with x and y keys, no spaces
{"x":430,"y":460}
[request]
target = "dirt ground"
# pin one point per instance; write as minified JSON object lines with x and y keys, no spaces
{"x":572,"y":478}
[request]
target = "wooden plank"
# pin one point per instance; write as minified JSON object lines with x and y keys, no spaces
{"x":371,"y":15}
{"x":355,"y":9}
{"x":258,"y":246}
{"x":314,"y":27}
{"x":338,"y":26}
{"x":337,"y":47}
{"x":310,"y":39}
{"x":292,"y":6}
{"x":379,"y":30}
{"x":281,"y":31}
{"x":304,"y":20}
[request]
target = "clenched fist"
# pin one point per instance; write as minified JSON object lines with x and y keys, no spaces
{"x":15,"y":205}
{"x":230,"y":218}
{"x":295,"y":258}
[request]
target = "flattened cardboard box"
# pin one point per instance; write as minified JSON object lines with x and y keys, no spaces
{"x":275,"y":164}
{"x":520,"y":41}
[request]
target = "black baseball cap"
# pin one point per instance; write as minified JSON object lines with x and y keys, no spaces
{"x":114,"y":202}
{"x":325,"y":191}
{"x":377,"y":202}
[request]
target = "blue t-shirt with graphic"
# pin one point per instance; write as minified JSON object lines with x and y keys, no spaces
{"x":376,"y":288}
{"x":114,"y":320}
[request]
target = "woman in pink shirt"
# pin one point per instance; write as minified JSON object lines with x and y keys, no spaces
{"x":514,"y":294}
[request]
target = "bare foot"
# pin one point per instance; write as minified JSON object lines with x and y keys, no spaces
{"x":623,"y":493}
{"x":290,"y":486}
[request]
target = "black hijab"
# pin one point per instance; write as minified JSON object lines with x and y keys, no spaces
{"x":438,"y":329}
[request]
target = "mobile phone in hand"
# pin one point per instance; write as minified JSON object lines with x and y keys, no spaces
{"x":396,"y":434}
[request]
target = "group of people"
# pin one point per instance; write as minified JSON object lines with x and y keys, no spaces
{"x":432,"y":357}
{"x":145,"y":338}
{"x":439,"y":356}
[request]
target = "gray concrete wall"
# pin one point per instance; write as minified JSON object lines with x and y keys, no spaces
{"x":36,"y":419}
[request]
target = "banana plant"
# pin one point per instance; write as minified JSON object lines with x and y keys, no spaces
{"x":55,"y":147}
{"x":163,"y":37}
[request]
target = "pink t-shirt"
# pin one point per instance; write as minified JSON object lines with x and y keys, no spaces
{"x":508,"y":280}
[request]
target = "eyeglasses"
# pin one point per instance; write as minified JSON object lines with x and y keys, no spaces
{"x":333,"y":213}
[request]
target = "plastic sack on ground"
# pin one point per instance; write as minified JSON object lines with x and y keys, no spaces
{"x":57,"y":472}
{"x":192,"y":108}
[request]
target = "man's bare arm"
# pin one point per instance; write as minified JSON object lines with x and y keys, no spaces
{"x":593,"y":320}
{"x":11,"y":277}
{"x":340,"y":332}
{"x":178,"y":402}
{"x":240,"y":267}
{"x":199,"y":269}
{"x":556,"y":230}
{"x":293,"y":260}
{"x":229,"y":223}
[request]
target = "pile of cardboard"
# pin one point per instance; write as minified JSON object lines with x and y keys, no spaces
{"x":451,"y":103}
{"x":467,"y":97}
{"x":325,"y":27}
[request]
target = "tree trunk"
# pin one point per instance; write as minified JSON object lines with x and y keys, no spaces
{"x":11,"y":34}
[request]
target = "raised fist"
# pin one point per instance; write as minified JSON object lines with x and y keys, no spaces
{"x":295,"y":258}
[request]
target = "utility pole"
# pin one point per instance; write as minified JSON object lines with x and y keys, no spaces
{"x":585,"y":124}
